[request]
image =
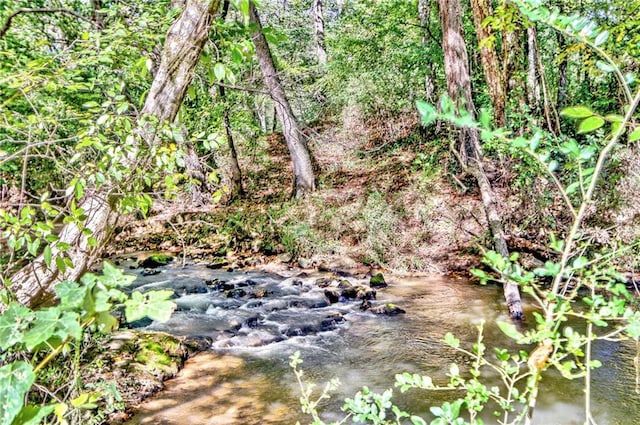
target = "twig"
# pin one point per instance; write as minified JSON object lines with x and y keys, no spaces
{"x":7,"y":24}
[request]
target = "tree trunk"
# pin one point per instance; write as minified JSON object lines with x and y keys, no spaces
{"x":429,"y":77}
{"x":459,"y":88}
{"x":303,"y":177}
{"x":489,"y":59}
{"x":318,"y":31}
{"x":510,"y":53}
{"x":562,"y":74}
{"x":236,"y":175}
{"x":533,"y":85}
{"x":33,"y":284}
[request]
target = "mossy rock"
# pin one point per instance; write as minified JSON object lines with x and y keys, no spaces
{"x":377,"y":281}
{"x":388,"y":309}
{"x":156,"y":260}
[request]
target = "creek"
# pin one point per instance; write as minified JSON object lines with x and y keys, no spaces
{"x":255,"y":320}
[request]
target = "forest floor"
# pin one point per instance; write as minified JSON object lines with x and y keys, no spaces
{"x":387,"y":204}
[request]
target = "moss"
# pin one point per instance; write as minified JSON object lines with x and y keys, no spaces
{"x":159,"y":354}
{"x":156,"y":260}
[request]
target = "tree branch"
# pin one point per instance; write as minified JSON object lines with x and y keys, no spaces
{"x":7,"y":24}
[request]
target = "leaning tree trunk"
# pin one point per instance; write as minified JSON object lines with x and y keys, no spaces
{"x":459,"y":88}
{"x":33,"y":284}
{"x":303,"y":177}
{"x":489,"y":59}
{"x":318,"y":31}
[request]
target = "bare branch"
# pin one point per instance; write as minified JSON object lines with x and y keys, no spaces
{"x":7,"y":24}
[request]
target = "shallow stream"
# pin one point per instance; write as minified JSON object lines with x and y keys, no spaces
{"x":256,"y":320}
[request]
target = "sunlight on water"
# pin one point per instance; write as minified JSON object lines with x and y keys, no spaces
{"x":277,"y":316}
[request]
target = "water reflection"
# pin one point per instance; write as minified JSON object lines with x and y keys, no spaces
{"x":253,"y":338}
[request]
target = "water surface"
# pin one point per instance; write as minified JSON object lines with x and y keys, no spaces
{"x":256,"y":320}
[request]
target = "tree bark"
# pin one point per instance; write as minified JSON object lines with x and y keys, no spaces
{"x":318,"y":32}
{"x":459,"y":89}
{"x":562,"y":74}
{"x":429,"y":77}
{"x":511,"y":48}
{"x":33,"y":284}
{"x":489,"y":59}
{"x":303,"y":177}
{"x":533,"y":85}
{"x":236,"y":175}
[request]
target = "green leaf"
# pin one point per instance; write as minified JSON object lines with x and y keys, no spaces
{"x":601,"y":38}
{"x":580,"y":262}
{"x":69,"y":325}
{"x":236,"y":56}
{"x":46,"y":253}
{"x":114,"y":277}
{"x":452,"y":341}
{"x":13,"y":322}
{"x":614,"y":118}
{"x":535,"y":142}
{"x":572,"y":188}
{"x":33,"y":415}
{"x":634,"y":135}
{"x":71,"y":294}
{"x":427,"y":112}
{"x":577,"y":112}
{"x":85,"y":401}
{"x":417,"y":420}
{"x":219,"y":71}
{"x":480,"y":274}
{"x":62,"y":267}
{"x":15,"y":380}
{"x":42,"y":328}
{"x":106,"y":322}
{"x":154,"y":305}
{"x":520,"y":142}
{"x":244,"y":7}
{"x":590,"y":124}
{"x":509,"y":329}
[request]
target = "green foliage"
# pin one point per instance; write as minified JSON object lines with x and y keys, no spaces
{"x":82,"y":307}
{"x":377,"y":57}
{"x":581,"y":284}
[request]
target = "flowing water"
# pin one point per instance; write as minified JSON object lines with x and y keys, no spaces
{"x":256,"y":320}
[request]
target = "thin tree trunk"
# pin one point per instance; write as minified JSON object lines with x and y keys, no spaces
{"x":562,"y":74}
{"x":33,"y":284}
{"x":197,"y":173}
{"x":236,"y":175}
{"x":303,"y":177}
{"x":429,"y":79}
{"x":489,"y":59}
{"x":318,"y":31}
{"x":459,"y":88}
{"x":533,"y":85}
{"x":510,"y":52}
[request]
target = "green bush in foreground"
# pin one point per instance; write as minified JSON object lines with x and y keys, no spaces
{"x":31,"y":339}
